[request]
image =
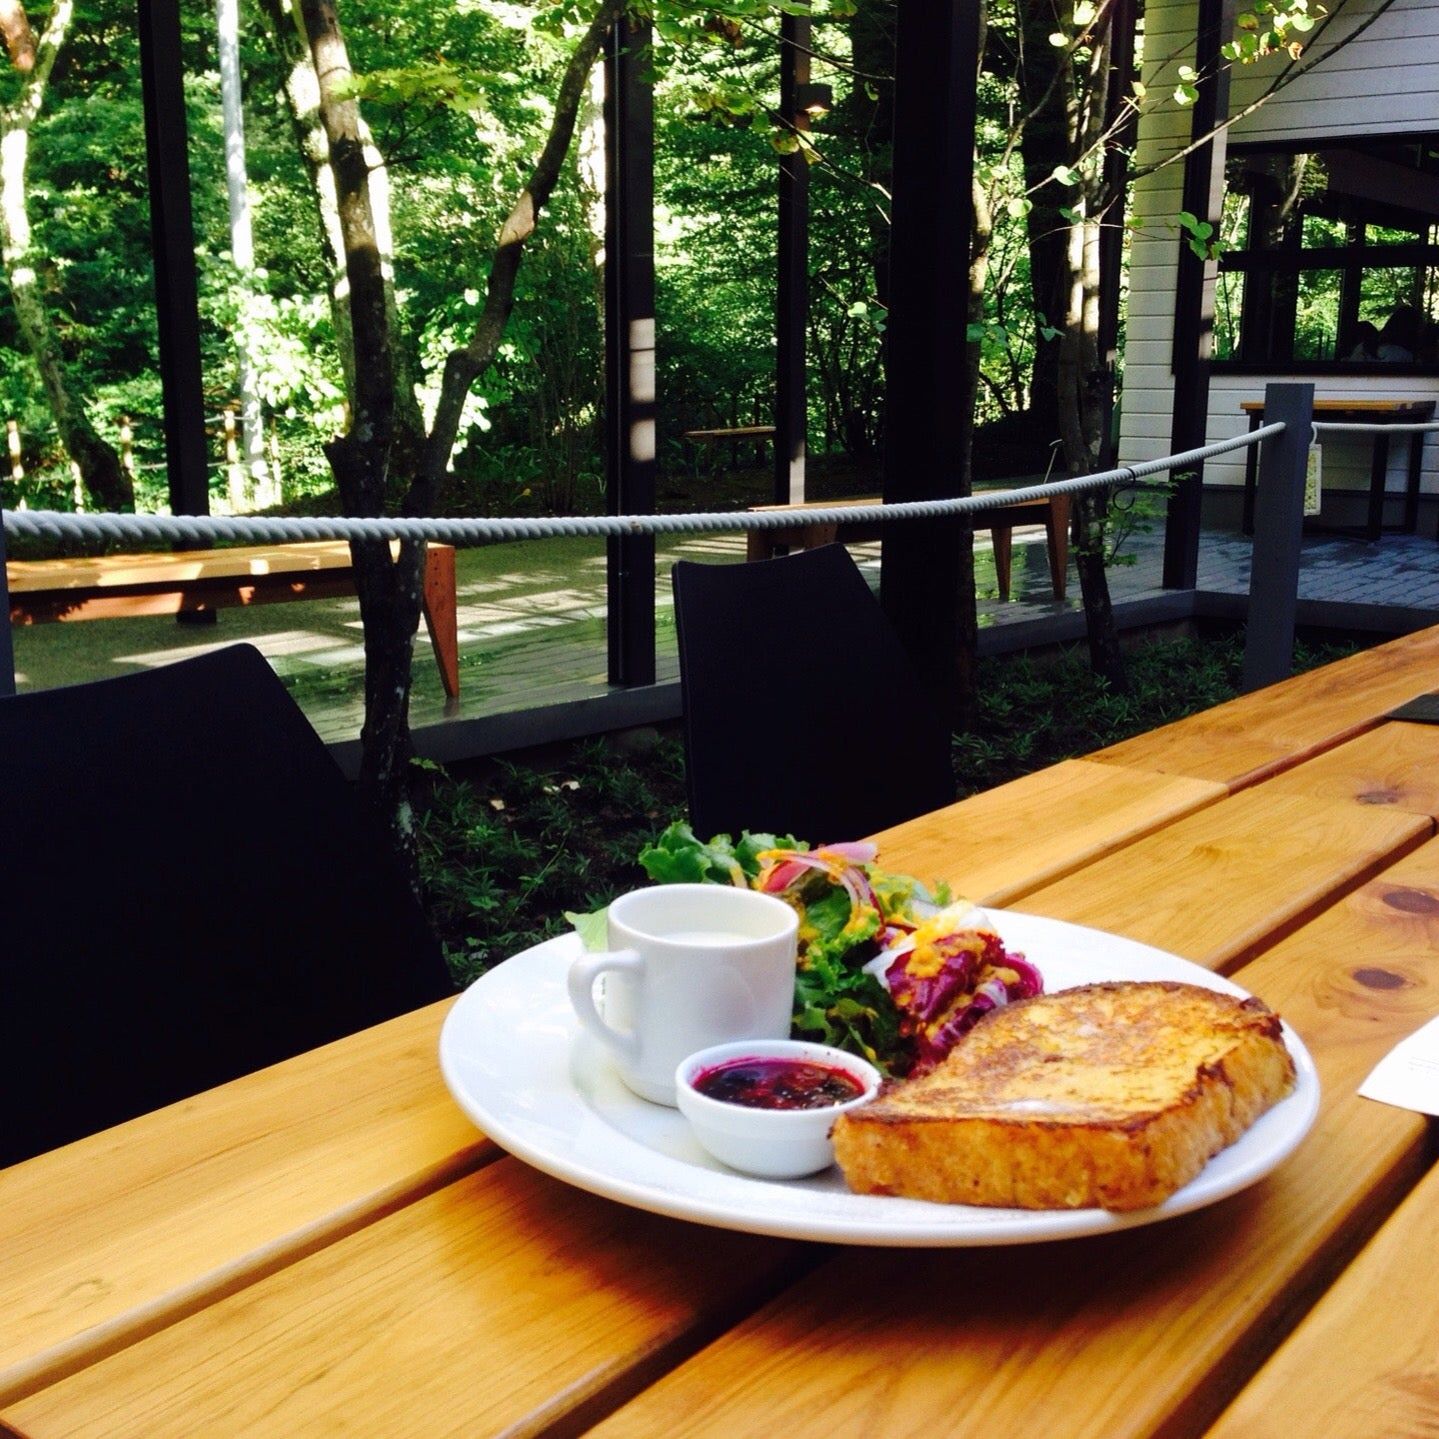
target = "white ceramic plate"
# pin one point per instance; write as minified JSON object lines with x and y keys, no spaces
{"x":515,"y":1059}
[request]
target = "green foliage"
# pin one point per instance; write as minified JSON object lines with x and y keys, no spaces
{"x":1035,"y":712}
{"x":1202,"y":239}
{"x":504,"y":854}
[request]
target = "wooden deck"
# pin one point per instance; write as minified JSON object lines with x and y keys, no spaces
{"x":531,"y":620}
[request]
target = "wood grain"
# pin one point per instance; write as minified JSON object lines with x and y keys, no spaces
{"x":1142,"y":1333}
{"x":998,"y":845}
{"x":1395,"y":765}
{"x":115,"y":1236}
{"x":87,"y":572}
{"x":1366,"y":1361}
{"x":1257,"y":735}
{"x":1218,"y":884}
{"x":506,"y":1303}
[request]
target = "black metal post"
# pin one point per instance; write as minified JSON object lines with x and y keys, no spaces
{"x":630,"y":348}
{"x":7,"y":642}
{"x":926,"y":362}
{"x":1278,"y":527}
{"x":1194,"y":295}
{"x":177,"y":306}
{"x":792,"y":294}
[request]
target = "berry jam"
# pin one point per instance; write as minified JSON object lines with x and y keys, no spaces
{"x":778,"y":1084}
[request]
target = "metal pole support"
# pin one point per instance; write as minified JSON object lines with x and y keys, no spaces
{"x":7,"y":643}
{"x":1278,"y":523}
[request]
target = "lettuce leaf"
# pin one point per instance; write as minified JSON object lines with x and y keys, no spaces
{"x":680,"y":856}
{"x":903,"y":896}
{"x":593,"y":928}
{"x":849,"y":1009}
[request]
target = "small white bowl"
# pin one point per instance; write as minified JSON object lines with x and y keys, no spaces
{"x":771,"y":1143}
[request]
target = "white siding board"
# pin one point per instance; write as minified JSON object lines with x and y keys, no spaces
{"x":1385,"y":82}
{"x":1386,"y":79}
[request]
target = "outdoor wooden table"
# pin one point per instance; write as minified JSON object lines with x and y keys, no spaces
{"x":328,"y":1247}
{"x":1366,"y":412}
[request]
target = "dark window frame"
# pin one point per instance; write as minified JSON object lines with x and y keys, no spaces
{"x":1351,"y":260}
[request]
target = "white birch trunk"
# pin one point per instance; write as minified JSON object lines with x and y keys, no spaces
{"x":249,"y":480}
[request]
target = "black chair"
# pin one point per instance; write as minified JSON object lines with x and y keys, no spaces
{"x":802,"y":713}
{"x":188,"y":891}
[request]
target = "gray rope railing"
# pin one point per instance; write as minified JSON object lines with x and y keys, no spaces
{"x":1356,"y":427}
{"x":203,"y":529}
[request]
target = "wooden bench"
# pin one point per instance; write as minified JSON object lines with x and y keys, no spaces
{"x":1053,"y":514}
{"x":115,"y":586}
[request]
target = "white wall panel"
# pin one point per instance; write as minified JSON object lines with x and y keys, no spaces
{"x":1386,"y":81}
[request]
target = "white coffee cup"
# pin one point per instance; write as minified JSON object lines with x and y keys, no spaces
{"x":689,"y":965}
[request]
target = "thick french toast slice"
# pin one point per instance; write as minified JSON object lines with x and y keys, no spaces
{"x":1107,"y":1095}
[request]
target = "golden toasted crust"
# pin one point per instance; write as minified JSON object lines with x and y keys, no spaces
{"x":1108,"y":1095}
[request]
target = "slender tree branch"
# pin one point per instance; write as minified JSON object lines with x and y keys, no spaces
{"x":464,"y":365}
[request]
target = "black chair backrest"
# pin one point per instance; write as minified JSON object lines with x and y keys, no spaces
{"x":188,"y":891}
{"x":803,"y":714}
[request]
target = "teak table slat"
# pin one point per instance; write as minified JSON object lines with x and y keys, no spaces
{"x":999,"y":844}
{"x":424,"y":1298}
{"x":1365,"y":1362}
{"x":1146,"y":1332}
{"x":114,"y":1236}
{"x":330,"y":1247}
{"x":1218,"y":884}
{"x":1255,"y":736}
{"x":1394,"y":766}
{"x":507,"y":1303}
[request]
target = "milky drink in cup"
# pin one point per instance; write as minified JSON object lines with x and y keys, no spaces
{"x":689,"y":965}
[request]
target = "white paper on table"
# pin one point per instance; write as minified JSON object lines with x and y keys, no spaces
{"x":1408,"y":1076}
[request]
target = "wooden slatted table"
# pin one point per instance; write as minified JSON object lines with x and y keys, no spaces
{"x":328,"y":1247}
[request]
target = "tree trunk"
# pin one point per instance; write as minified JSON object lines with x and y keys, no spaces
{"x":103,"y":476}
{"x":302,"y":93}
{"x":361,"y":458}
{"x":1081,"y":377}
{"x":253,"y":477}
{"x":1045,"y":142}
{"x":871,"y":38}
{"x":370,"y":460}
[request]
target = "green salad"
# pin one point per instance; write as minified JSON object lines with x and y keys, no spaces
{"x":850,"y":911}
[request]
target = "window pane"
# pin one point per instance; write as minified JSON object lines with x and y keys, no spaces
{"x":1388,"y":235}
{"x":1320,"y":231}
{"x":1228,"y":308}
{"x":1316,"y":318}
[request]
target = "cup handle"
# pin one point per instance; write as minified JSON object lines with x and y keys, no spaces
{"x":583,"y":973}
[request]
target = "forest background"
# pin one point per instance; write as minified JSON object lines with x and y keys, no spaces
{"x":458,"y":99}
{"x":360,"y":249}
